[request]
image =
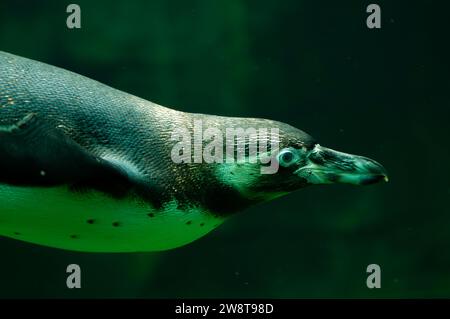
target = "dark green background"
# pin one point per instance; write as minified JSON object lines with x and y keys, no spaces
{"x":313,"y":64}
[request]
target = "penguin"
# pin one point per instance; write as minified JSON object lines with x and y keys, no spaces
{"x":89,"y":168}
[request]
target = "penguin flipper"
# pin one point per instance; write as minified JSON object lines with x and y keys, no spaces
{"x":34,"y":153}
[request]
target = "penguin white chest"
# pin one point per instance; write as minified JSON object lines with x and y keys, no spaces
{"x":94,"y":222}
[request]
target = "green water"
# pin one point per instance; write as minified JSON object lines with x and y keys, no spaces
{"x":313,"y":64}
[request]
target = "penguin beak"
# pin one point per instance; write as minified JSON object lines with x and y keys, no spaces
{"x":327,"y":166}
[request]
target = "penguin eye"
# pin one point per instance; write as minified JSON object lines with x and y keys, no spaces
{"x":287,"y":157}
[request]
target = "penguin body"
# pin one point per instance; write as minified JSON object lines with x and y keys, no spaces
{"x":55,"y":193}
{"x":86,"y":167}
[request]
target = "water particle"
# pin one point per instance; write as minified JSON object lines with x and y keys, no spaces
{"x":90,"y":221}
{"x":74,"y":236}
{"x":116,"y":224}
{"x":151,"y":215}
{"x":42,"y":173}
{"x":188,"y":222}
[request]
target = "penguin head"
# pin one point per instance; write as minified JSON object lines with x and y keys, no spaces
{"x":297,"y":162}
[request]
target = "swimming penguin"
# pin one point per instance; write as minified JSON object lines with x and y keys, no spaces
{"x":89,"y":168}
